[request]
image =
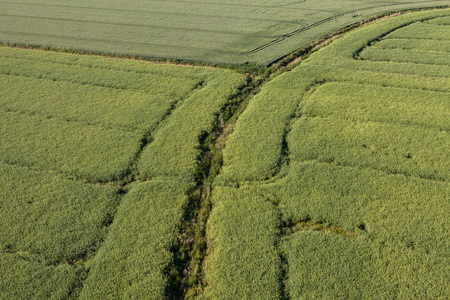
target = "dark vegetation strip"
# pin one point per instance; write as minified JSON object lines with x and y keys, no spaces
{"x":187,"y":273}
{"x":303,"y":225}
{"x":32,"y":113}
{"x":250,"y":68}
{"x":130,"y":176}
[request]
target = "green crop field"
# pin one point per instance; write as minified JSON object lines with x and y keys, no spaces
{"x":323,"y":176}
{"x":229,"y":32}
{"x":82,"y":186}
{"x":335,"y":182}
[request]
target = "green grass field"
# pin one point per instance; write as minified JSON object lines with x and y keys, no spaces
{"x":128,"y":179}
{"x":347,"y":156}
{"x":228,"y":32}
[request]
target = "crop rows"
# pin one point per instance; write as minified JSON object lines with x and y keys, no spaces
{"x":225,"y":32}
{"x":341,"y":167}
{"x":335,"y":178}
{"x":91,"y":202}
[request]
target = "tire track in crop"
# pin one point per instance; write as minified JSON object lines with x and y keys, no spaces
{"x":50,"y":117}
{"x":387,"y":172}
{"x":357,"y":54}
{"x":71,"y":81}
{"x":190,"y":14}
{"x":311,"y":26}
{"x":131,"y":174}
{"x":145,"y":140}
{"x":315,"y":24}
{"x":87,"y":68}
{"x":187,"y":29}
{"x":238,"y":4}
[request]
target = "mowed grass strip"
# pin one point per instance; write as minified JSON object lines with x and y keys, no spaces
{"x":76,"y":149}
{"x":58,"y":219}
{"x":243,"y":232}
{"x":136,"y":255}
{"x":408,"y":150}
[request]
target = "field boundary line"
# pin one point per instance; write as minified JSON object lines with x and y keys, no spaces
{"x":72,"y":82}
{"x":369,"y":43}
{"x":112,"y":41}
{"x":75,"y":63}
{"x":387,"y":172}
{"x":48,"y":117}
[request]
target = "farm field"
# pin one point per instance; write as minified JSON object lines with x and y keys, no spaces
{"x":124,"y":179}
{"x":229,"y":32}
{"x":335,"y":182}
{"x":84,"y":193}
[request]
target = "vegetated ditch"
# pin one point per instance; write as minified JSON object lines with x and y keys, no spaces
{"x":187,"y":273}
{"x":187,"y":280}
